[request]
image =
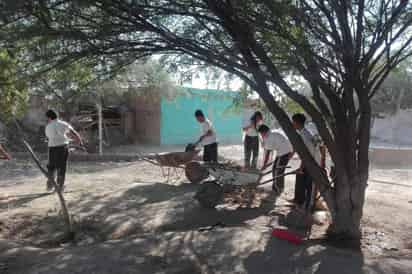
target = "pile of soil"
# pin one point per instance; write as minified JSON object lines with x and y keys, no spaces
{"x":244,"y":196}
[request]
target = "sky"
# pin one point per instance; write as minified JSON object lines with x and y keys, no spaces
{"x":201,"y":83}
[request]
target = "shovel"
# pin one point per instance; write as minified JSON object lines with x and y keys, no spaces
{"x":276,"y":177}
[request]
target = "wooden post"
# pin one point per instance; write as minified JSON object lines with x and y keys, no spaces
{"x":100,"y":127}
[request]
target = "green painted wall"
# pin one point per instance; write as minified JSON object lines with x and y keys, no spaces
{"x":179,"y":126}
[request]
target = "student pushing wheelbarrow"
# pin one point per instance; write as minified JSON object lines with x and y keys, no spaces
{"x":223,"y":176}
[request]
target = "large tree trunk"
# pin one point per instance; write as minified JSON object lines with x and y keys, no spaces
{"x":351,"y":178}
{"x":348,"y":209}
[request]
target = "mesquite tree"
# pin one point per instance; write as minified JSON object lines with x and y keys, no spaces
{"x":344,"y":49}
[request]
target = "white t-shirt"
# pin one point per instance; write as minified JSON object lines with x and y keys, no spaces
{"x":311,"y":127}
{"x":205,"y":127}
{"x":310,"y":142}
{"x":56,"y":133}
{"x":277,"y":140}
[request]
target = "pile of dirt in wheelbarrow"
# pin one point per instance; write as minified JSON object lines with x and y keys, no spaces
{"x":243,"y":196}
{"x":212,"y":194}
{"x":231,"y":165}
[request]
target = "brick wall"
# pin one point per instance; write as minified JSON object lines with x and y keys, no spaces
{"x":147,"y":119}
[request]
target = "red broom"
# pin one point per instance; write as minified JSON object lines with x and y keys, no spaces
{"x":287,"y":235}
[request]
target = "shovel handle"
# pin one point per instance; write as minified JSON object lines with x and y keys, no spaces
{"x":279,"y":176}
{"x":269,"y":171}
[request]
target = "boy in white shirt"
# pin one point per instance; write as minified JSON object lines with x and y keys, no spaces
{"x":58,"y":134}
{"x":208,"y":138}
{"x":304,"y":190}
{"x":276,"y":140}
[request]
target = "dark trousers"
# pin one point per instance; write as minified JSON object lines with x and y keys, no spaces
{"x":210,"y":153}
{"x":251,"y":149}
{"x":303,"y":190}
{"x":57,"y":163}
{"x":279,"y":167}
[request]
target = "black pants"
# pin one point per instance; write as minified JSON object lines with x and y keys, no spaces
{"x":303,"y":190}
{"x":251,"y":149}
{"x":279,"y":167}
{"x":210,"y":153}
{"x":57,"y":163}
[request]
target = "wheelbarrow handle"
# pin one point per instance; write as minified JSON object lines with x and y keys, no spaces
{"x":269,"y":171}
{"x":276,"y":177}
{"x":268,"y":165}
{"x":272,"y":163}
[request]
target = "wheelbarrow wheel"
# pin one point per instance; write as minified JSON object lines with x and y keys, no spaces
{"x":195,"y":172}
{"x":210,"y":194}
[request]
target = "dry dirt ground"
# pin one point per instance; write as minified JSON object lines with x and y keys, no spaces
{"x":130,"y":219}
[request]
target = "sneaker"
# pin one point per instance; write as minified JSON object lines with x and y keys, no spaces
{"x":276,"y":189}
{"x":61,"y":187}
{"x":49,"y":186}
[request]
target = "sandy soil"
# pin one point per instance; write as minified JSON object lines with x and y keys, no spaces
{"x":130,"y":219}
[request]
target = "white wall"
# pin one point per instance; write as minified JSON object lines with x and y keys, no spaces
{"x":396,"y":129}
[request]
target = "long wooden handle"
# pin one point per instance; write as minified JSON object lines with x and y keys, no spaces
{"x":269,"y":171}
{"x":35,"y":158}
{"x":65,"y":211}
{"x":279,"y":176}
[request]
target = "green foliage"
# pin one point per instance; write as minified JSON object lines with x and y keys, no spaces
{"x":64,"y":83}
{"x":64,"y":86}
{"x":292,"y":107}
{"x":13,"y":91}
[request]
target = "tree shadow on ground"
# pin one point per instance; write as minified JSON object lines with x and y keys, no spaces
{"x":136,"y":210}
{"x":32,"y":229}
{"x":16,"y":172}
{"x":192,"y":252}
{"x":280,"y":256}
{"x":317,"y":257}
{"x":101,"y":216}
{"x":14,"y":201}
{"x":153,"y":251}
{"x":142,"y":209}
{"x":124,"y":257}
{"x":158,"y":207}
{"x":157,"y":224}
{"x":196,"y":217}
{"x":21,"y":200}
{"x":132,"y":198}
